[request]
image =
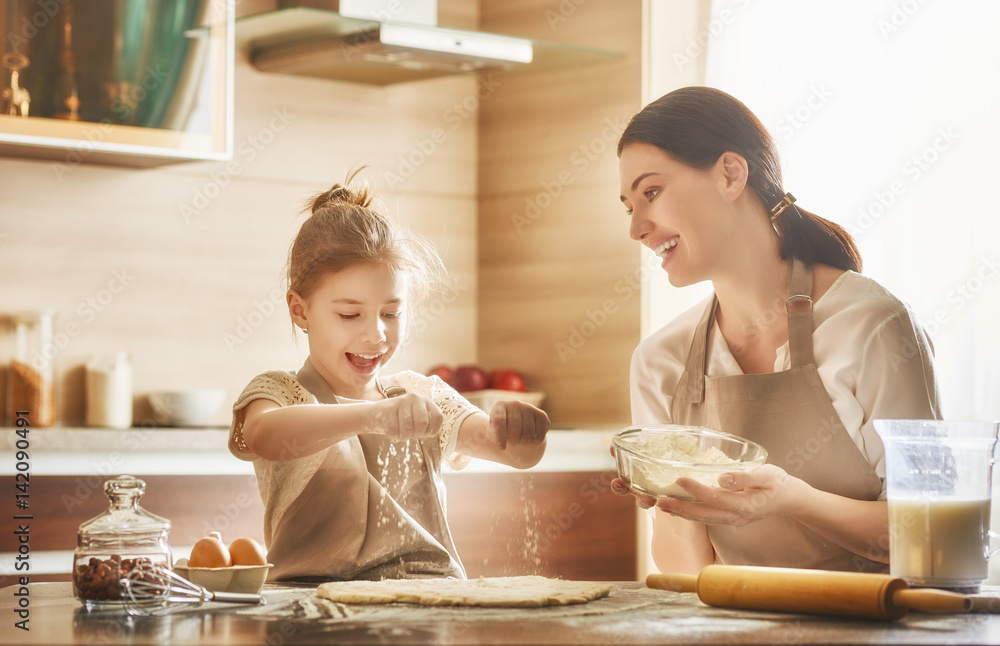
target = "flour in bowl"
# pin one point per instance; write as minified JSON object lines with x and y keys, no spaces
{"x":662,"y":479}
{"x":679,"y":448}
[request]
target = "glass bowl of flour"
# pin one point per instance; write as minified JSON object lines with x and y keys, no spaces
{"x":652,"y":458}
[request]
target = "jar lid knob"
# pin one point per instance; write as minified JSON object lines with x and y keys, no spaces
{"x":124,"y":486}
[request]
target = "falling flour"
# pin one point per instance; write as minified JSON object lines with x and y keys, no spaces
{"x":675,"y":448}
{"x":394,"y":472}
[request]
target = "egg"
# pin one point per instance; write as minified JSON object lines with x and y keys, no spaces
{"x":247,"y":551}
{"x":210,"y":552}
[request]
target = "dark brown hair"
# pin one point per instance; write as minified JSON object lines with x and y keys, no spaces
{"x":344,"y":229}
{"x":696,"y":125}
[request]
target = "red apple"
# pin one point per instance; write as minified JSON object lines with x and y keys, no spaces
{"x":446,"y":374}
{"x":508,"y":380}
{"x":470,"y":377}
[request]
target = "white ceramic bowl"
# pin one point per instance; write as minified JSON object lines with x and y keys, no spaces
{"x":699,"y":453}
{"x":186,"y":407}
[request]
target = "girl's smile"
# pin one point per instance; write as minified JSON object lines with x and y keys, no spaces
{"x":364,"y":363}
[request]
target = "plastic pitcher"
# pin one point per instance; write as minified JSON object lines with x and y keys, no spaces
{"x":938,"y":483}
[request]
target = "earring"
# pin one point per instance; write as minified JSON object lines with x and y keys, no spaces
{"x":305,"y":331}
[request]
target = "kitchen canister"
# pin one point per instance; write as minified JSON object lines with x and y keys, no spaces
{"x":109,"y":391}
{"x":31,"y":379}
{"x":110,"y":545}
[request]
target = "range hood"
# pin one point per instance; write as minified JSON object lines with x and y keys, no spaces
{"x":320,"y":41}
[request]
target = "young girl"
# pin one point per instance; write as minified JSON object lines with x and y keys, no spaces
{"x":348,"y":461}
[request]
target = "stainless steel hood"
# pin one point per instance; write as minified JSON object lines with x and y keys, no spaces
{"x":325,"y":44}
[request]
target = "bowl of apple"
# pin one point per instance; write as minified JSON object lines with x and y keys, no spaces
{"x":485,"y":388}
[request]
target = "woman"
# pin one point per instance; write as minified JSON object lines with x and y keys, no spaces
{"x":795,"y":349}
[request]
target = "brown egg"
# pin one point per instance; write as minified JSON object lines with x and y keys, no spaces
{"x":247,"y":551}
{"x":210,"y":552}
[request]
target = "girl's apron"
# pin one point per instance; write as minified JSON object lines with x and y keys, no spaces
{"x":791,"y":415}
{"x":373,"y":510}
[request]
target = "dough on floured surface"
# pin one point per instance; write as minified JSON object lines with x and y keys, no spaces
{"x":512,"y":591}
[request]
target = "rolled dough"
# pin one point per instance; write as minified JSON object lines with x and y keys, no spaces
{"x":513,"y":591}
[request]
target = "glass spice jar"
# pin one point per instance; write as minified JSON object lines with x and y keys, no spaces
{"x":108,"y":546}
{"x":30,"y":383}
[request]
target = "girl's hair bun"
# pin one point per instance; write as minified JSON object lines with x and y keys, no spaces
{"x":341,"y":194}
{"x":343,"y":229}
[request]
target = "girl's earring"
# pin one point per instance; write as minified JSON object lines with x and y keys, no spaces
{"x":305,"y":331}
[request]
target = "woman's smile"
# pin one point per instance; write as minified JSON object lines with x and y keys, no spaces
{"x":666,"y":249}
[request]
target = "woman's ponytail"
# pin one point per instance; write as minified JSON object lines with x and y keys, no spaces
{"x":813,"y":239}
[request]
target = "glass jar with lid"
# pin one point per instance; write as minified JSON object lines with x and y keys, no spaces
{"x":111,"y":544}
{"x":30,"y":384}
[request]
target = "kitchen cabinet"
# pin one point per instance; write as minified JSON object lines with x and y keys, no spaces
{"x":134,"y":84}
{"x":565,"y":524}
{"x":558,"y":519}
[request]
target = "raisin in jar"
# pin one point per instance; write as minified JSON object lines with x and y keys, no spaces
{"x":110,"y":545}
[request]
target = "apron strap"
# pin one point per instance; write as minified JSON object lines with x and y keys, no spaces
{"x":691,"y":387}
{"x":798,"y":307}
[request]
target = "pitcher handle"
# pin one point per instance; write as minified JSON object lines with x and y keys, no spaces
{"x":990,"y":551}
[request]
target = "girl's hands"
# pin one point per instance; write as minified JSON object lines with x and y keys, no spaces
{"x":407,"y":417}
{"x":740,"y":498}
{"x":513,"y":433}
{"x":513,"y":423}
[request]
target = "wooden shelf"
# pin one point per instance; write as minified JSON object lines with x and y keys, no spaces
{"x":75,"y":142}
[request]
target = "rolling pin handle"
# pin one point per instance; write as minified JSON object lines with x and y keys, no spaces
{"x":931,"y":600}
{"x":673,"y":582}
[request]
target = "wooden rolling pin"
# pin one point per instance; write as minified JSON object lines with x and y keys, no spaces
{"x":846,"y":594}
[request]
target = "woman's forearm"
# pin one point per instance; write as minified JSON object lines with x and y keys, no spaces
{"x":860,"y":526}
{"x":680,"y":546}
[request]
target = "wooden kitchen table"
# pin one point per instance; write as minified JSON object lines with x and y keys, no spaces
{"x":633,"y":614}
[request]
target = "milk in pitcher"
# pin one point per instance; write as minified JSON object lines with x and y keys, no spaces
{"x":944,"y":542}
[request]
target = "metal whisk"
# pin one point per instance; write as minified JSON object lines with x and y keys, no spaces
{"x":153,"y":589}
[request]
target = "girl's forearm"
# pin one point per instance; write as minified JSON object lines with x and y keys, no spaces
{"x":475,"y":440}
{"x":286,"y":433}
{"x":522,"y":456}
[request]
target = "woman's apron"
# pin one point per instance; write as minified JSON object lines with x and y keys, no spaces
{"x":791,"y":415}
{"x":373,"y":510}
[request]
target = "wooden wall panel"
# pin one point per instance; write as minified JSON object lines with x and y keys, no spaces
{"x":556,"y":266}
{"x":203,"y":244}
{"x":458,"y":14}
